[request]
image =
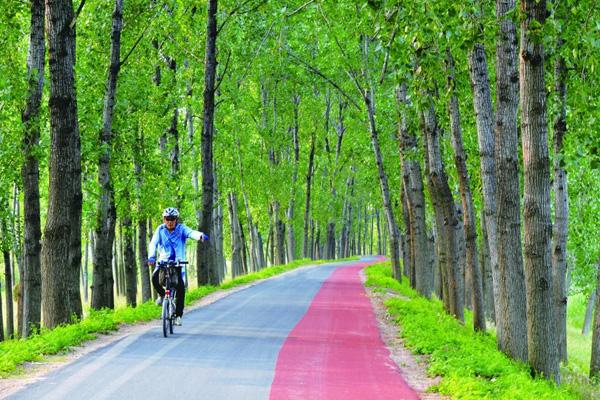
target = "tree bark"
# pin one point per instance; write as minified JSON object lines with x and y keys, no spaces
{"x":385,"y":192}
{"x":482,"y":102}
{"x":460,"y":159}
{"x":278,"y":236}
{"x":142,"y":225}
{"x":413,"y":182}
{"x":102,"y":290}
{"x":595,"y":360}
{"x":238,"y":261}
{"x":561,"y":209}
{"x":61,"y":249}
{"x":541,"y":307}
{"x":31,"y":280}
{"x":486,"y":268}
{"x":2,"y":337}
{"x":589,"y":313}
{"x":207,"y":271}
{"x":291,"y":242}
{"x":8,"y":277}
{"x":129,"y":264}
{"x":446,"y":217}
{"x":511,"y":317}
{"x":309,"y":174}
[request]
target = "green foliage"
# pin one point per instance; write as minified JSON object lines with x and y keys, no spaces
{"x":469,"y":363}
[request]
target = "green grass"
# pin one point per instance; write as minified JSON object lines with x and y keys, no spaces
{"x":469,"y":363}
{"x":15,"y":352}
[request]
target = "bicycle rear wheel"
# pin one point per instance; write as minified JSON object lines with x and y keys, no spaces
{"x":166,"y":315}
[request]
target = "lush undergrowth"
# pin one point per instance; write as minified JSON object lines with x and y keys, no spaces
{"x":469,"y":363}
{"x":14,"y":353}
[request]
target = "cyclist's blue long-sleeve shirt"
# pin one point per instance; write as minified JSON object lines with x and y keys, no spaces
{"x":170,"y":245}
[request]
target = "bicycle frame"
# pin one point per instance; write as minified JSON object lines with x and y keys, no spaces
{"x":172,"y":270}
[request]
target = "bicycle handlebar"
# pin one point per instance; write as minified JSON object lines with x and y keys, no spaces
{"x":172,"y":263}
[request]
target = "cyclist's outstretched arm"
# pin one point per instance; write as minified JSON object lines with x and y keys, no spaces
{"x":153,"y":246}
{"x":196,"y":235}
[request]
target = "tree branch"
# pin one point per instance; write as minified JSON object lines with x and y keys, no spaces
{"x":74,"y":21}
{"x":297,"y":10}
{"x":326,"y":78}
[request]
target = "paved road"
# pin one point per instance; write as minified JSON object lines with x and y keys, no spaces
{"x":307,"y":335}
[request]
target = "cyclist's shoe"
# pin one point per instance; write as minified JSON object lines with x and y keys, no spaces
{"x":159,"y":301}
{"x":178,"y":321}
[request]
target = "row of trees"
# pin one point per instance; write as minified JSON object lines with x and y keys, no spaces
{"x":295,"y":107}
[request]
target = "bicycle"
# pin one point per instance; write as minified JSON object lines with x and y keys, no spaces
{"x":172,"y":274}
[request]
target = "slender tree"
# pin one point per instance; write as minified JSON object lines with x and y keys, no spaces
{"x":472,"y":257}
{"x":6,"y":240}
{"x":595,"y":360}
{"x":413,"y":183}
{"x":511,"y":317}
{"x":102,"y":289}
{"x":309,"y":174}
{"x":291,"y":239}
{"x":61,"y":248}
{"x":31,"y":280}
{"x":561,"y":207}
{"x":446,"y":217}
{"x":541,"y":307}
{"x":207,"y":272}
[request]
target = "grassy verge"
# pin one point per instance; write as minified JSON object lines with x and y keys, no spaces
{"x":469,"y":363}
{"x":14,"y":353}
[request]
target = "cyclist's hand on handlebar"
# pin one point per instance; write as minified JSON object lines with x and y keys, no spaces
{"x":203,"y":237}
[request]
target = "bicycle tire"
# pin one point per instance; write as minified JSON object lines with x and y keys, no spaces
{"x":171,"y":315}
{"x":166,"y":318}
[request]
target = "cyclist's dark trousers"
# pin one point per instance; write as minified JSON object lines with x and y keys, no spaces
{"x":180,"y":291}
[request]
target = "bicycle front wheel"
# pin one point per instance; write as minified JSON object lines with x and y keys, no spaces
{"x":166,"y":316}
{"x":171,"y":315}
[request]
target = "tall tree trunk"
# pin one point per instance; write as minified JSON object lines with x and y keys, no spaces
{"x":31,"y":280}
{"x":8,"y":278}
{"x":279,"y":236}
{"x":102,"y":291}
{"x":129,"y":264}
{"x":595,"y":360}
{"x":589,"y":313}
{"x":561,"y":209}
{"x":309,"y":173}
{"x":484,"y":118}
{"x":84,"y":271}
{"x":291,"y":239}
{"x":511,"y":317}
{"x":486,"y":269}
{"x":383,"y":184}
{"x":207,"y":272}
{"x":541,"y":307}
{"x":408,"y":256}
{"x":238,"y":262}
{"x":2,"y":337}
{"x":61,"y":257}
{"x":460,"y":159}
{"x":142,"y":224}
{"x":413,"y":183}
{"x":217,"y":229}
{"x":446,"y":217}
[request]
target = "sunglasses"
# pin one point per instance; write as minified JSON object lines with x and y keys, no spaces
{"x":171,"y":218}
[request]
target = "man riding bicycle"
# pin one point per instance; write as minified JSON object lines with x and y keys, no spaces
{"x":169,"y":239}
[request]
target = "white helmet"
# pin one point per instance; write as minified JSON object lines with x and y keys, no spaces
{"x":171,"y":212}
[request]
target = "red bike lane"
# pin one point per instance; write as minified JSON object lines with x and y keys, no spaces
{"x":336,"y":351}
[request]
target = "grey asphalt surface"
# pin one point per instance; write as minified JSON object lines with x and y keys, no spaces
{"x":226,"y":350}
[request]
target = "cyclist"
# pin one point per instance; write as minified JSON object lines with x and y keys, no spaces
{"x":169,"y":240}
